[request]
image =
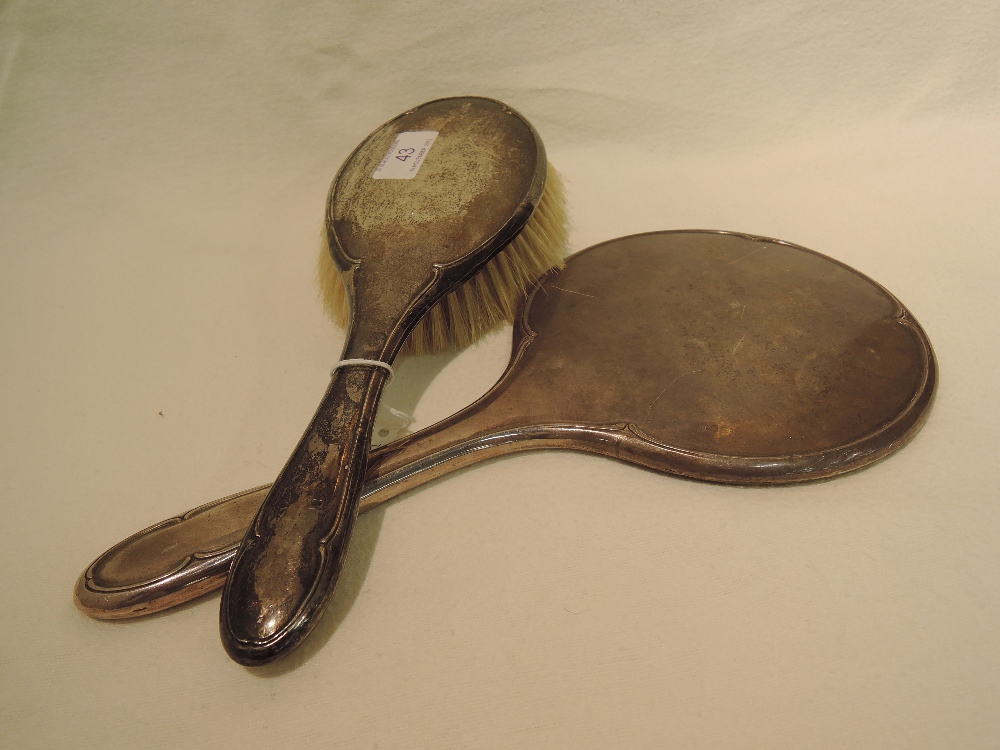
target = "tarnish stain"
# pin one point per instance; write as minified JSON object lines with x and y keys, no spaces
{"x":354,"y":392}
{"x":276,"y":584}
{"x":724,"y":429}
{"x":316,"y":444}
{"x":556,"y":364}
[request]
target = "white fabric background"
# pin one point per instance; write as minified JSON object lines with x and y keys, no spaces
{"x":163,"y":171}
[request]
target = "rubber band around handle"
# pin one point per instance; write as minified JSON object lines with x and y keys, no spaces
{"x":371,"y":362}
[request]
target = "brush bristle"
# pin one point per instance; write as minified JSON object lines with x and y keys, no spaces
{"x":489,"y":299}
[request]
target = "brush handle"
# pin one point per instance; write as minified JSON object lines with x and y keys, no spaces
{"x":292,"y":555}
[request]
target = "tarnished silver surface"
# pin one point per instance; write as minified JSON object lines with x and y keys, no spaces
{"x":713,"y":355}
{"x":401,"y":245}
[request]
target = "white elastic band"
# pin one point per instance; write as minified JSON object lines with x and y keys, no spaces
{"x":372,"y":362}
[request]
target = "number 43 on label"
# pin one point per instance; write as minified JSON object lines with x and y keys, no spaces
{"x":403,"y":159}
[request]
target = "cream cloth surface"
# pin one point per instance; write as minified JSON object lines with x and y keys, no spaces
{"x":163,"y":174}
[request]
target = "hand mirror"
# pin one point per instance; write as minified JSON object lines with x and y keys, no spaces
{"x":711,"y":355}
